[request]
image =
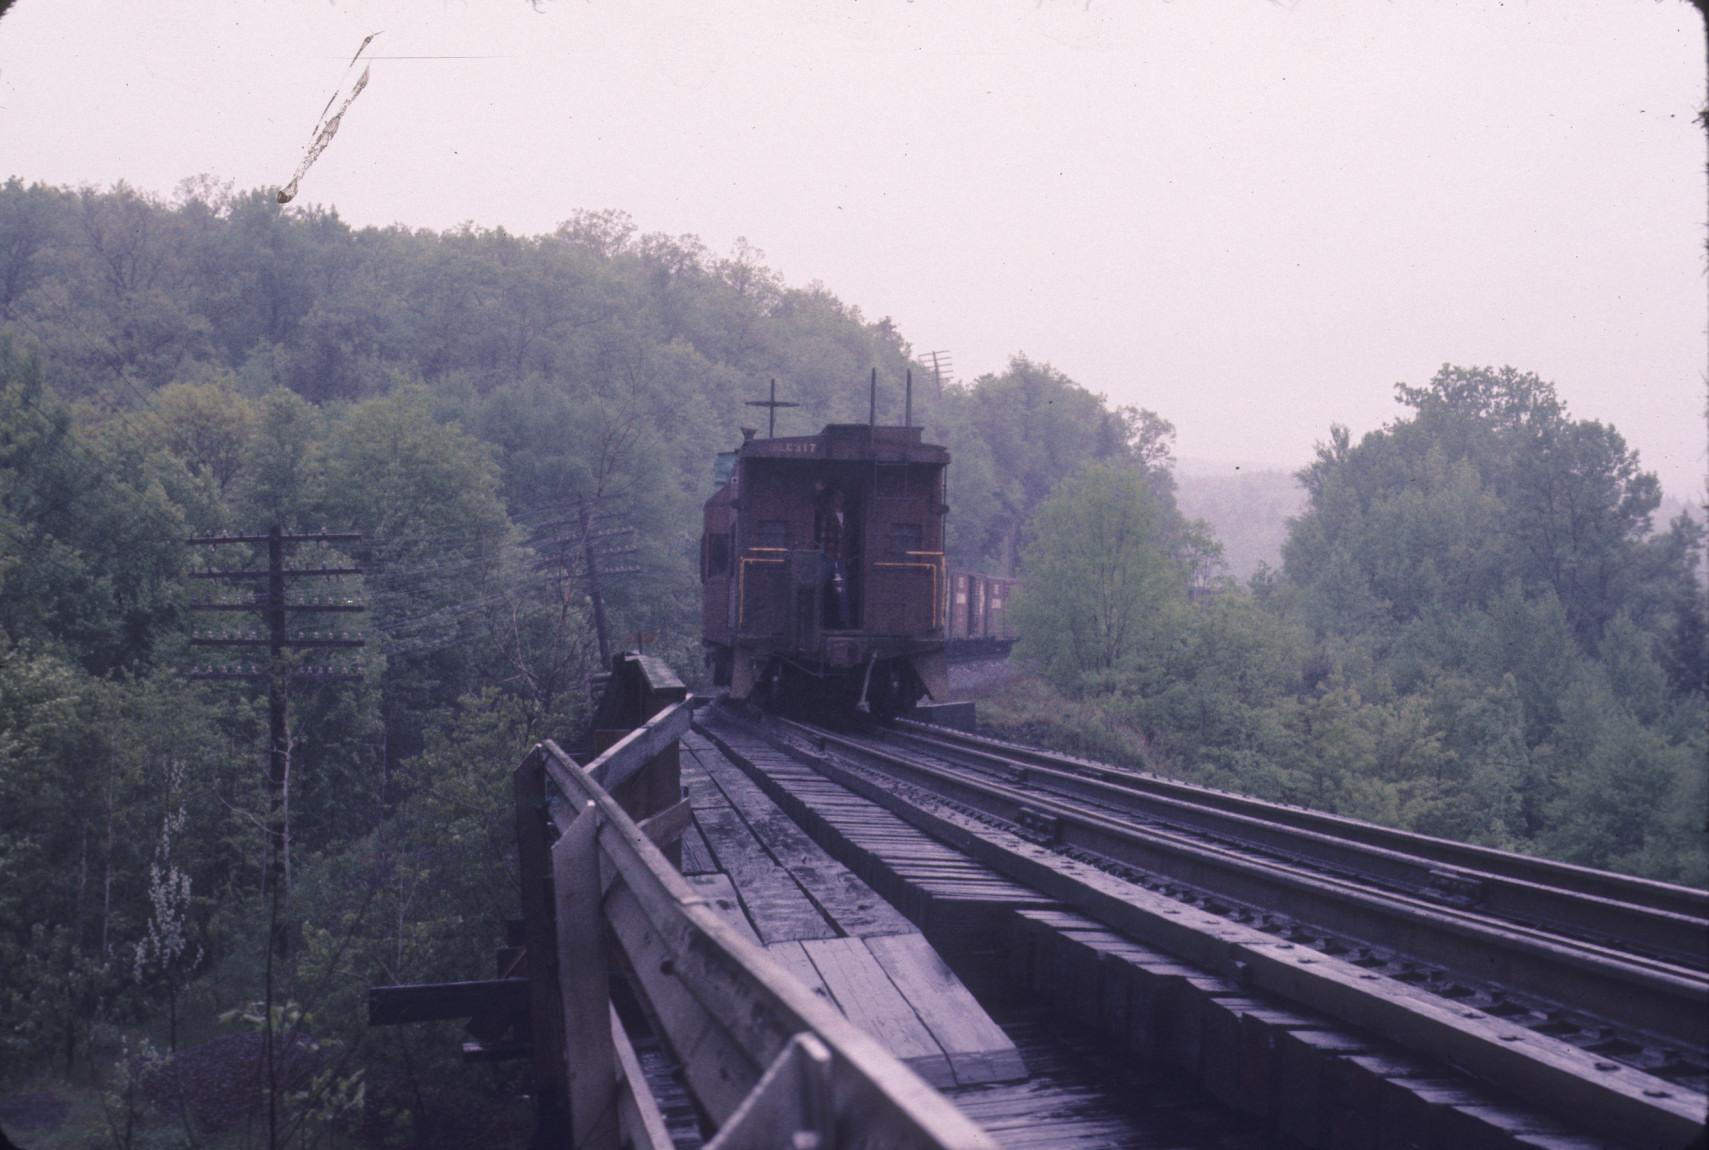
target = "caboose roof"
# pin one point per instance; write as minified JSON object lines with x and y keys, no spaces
{"x":850,"y":441}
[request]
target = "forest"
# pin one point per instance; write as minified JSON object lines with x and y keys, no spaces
{"x":1479,"y":626}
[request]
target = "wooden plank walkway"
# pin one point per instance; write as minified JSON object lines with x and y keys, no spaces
{"x":1084,"y":1095}
{"x":1075,"y":1095}
{"x":766,"y":876}
{"x":959,"y":902}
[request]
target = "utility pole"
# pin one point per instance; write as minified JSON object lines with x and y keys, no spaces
{"x":278,"y":731}
{"x":941,"y":367}
{"x":589,"y":557}
{"x":582,"y":555}
{"x":279,"y":675}
{"x":278,"y":640}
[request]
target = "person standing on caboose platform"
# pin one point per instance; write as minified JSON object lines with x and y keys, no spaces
{"x":830,"y":532}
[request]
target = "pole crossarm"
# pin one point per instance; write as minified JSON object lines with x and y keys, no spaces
{"x":276,"y":610}
{"x":264,"y":641}
{"x":298,"y":675}
{"x":265,"y":573}
{"x":308,"y":605}
{"x":313,"y":537}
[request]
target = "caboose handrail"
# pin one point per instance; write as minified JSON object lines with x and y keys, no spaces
{"x":742,"y":1026}
{"x":745,"y":561}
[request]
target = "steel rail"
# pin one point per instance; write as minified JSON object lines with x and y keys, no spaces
{"x":1669,"y":1003}
{"x":1505,"y":886}
{"x":1628,"y":889}
{"x":1305,"y":853}
{"x":1585,"y":1085}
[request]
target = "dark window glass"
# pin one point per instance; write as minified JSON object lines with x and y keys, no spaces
{"x":717,"y":555}
{"x":905,"y":537}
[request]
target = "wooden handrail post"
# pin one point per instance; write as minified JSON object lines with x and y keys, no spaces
{"x":762,"y":1056}
{"x":720,"y":1003}
{"x":790,"y":1105}
{"x":641,"y":687}
{"x":657,"y":787}
{"x":589,"y":1055}
{"x":545,"y":1004}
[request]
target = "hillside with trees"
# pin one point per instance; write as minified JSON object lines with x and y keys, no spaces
{"x":1478,"y":631}
{"x":485,"y":410}
{"x":1478,"y":628}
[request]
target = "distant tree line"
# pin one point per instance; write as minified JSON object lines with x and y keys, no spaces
{"x":1478,"y":630}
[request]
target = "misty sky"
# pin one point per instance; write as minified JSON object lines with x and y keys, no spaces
{"x":1252,"y":218}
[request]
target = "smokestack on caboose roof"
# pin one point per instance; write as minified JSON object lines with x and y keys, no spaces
{"x":872,"y":411}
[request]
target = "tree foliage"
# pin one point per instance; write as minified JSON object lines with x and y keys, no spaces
{"x":1478,"y":632}
{"x":1478,"y":629}
{"x":1103,"y":591}
{"x":486,"y":409}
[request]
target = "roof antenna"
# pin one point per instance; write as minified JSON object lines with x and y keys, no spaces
{"x":908,"y":403}
{"x":772,"y":405}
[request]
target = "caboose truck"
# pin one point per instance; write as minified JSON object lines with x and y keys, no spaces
{"x":822,"y":567}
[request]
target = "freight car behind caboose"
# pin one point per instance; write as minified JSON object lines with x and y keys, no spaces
{"x":978,"y":617}
{"x":822,"y":567}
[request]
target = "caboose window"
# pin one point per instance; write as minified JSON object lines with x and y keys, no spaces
{"x":892,"y":481}
{"x":717,"y":555}
{"x":905,"y":537}
{"x":772,"y":533}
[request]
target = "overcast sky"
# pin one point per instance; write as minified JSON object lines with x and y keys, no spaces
{"x":1252,"y":218}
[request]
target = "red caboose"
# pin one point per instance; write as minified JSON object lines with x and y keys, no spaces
{"x":822,"y":567}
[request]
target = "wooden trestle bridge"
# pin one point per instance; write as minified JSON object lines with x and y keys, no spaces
{"x":740,"y":932}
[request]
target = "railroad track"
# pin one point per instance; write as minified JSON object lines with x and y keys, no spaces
{"x":1615,"y":967}
{"x":1656,"y":923}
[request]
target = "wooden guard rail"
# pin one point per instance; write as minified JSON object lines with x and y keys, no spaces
{"x":769,"y":1063}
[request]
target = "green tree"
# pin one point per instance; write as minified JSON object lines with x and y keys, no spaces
{"x":89,"y":526}
{"x":1222,"y":711}
{"x":1337,"y":738}
{"x":1486,"y":573}
{"x":207,"y":425}
{"x":1488,"y":481}
{"x":1103,"y":595}
{"x":278,"y":473}
{"x":1615,"y":777}
{"x":425,"y":497}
